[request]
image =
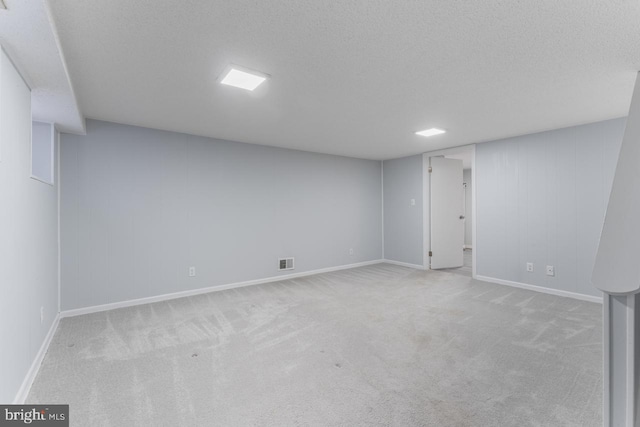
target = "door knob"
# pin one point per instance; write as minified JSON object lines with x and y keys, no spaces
{"x":461,"y":216}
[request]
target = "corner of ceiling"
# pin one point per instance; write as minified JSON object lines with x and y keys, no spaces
{"x":29,"y":37}
{"x":79,"y":127}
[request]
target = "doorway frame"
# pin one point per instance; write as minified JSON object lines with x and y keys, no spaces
{"x":426,"y":202}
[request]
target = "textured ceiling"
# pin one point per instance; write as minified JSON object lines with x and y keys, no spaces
{"x":31,"y":42}
{"x":354,"y":78}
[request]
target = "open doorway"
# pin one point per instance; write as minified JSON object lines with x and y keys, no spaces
{"x":449,"y":221}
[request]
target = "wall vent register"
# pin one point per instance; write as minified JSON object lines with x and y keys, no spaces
{"x":285,"y":264}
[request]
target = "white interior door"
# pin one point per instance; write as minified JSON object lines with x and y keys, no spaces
{"x":447,"y":213}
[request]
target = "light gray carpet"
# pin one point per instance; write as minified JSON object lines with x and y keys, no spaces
{"x":378,"y":345}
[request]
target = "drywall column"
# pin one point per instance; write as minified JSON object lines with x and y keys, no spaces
{"x":617,"y":273}
{"x":621,"y":367}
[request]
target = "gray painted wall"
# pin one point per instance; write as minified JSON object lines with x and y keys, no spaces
{"x":541,"y":198}
{"x":468,"y":214}
{"x":139,"y":206}
{"x":29,"y":242}
{"x":403,"y":237}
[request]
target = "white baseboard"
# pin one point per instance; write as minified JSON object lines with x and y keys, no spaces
{"x":23,"y":392}
{"x":182,"y":294}
{"x":544,"y":290}
{"x":403,"y":264}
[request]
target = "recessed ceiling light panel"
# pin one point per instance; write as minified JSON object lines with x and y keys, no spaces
{"x":430,"y":132}
{"x":242,"y":77}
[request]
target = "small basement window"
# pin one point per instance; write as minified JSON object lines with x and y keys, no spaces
{"x":42,"y":150}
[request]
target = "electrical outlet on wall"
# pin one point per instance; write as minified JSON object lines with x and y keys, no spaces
{"x":192,"y":272}
{"x":551,"y":271}
{"x":530,"y":267}
{"x":413,"y":202}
